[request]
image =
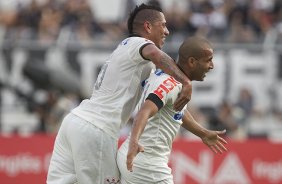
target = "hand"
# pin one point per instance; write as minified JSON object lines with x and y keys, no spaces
{"x":213,"y":140}
{"x":184,"y":97}
{"x":133,"y":150}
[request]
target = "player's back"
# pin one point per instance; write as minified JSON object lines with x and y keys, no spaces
{"x":118,"y":87}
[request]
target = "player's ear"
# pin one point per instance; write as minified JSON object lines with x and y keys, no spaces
{"x":192,"y":61}
{"x":147,"y":26}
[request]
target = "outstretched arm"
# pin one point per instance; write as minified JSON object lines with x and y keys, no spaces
{"x":147,"y":110}
{"x":167,"y":64}
{"x":211,"y":138}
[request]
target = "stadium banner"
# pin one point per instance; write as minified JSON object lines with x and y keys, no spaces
{"x":26,"y":160}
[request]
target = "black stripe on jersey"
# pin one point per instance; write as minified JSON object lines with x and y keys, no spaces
{"x":156,"y":100}
{"x":141,"y":48}
{"x":134,"y":35}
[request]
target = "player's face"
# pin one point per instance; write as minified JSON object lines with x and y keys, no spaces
{"x":159,"y":31}
{"x":204,"y":64}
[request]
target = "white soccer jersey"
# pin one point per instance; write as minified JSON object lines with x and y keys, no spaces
{"x":162,"y":128}
{"x":151,"y":166}
{"x":118,"y":87}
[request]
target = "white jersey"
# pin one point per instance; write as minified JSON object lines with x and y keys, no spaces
{"x":162,"y":128}
{"x":118,"y":87}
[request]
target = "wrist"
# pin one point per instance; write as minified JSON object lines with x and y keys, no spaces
{"x":203,"y":133}
{"x":133,"y":141}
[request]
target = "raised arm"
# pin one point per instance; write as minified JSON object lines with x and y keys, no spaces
{"x":147,"y":110}
{"x":167,"y":64}
{"x":211,"y":138}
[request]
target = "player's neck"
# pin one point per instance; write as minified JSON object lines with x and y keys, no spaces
{"x":186,"y":71}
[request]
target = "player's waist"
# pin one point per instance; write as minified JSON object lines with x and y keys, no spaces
{"x":108,"y":125}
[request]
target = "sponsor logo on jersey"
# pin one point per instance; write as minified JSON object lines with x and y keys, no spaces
{"x":166,"y":86}
{"x":112,"y":181}
{"x":159,"y":72}
{"x":144,"y":82}
{"x":178,"y":116}
{"x":124,"y":42}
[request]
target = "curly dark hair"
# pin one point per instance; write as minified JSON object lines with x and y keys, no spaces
{"x":140,"y":14}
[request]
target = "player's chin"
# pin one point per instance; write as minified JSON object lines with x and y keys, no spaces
{"x":162,"y":42}
{"x":161,"y":45}
{"x":199,"y":79}
{"x":202,"y":78}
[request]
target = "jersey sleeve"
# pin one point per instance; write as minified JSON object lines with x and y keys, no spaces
{"x":135,"y":50}
{"x":163,"y":90}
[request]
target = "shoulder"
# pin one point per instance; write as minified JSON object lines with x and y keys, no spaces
{"x":166,"y":79}
{"x":135,"y":41}
{"x":164,"y":84}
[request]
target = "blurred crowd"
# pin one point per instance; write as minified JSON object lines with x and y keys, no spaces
{"x":219,"y":20}
{"x":74,"y":22}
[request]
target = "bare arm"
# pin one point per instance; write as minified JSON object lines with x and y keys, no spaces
{"x":211,"y":138}
{"x":147,"y":110}
{"x":167,"y":64}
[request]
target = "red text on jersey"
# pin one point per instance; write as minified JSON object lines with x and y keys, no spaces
{"x":166,"y":87}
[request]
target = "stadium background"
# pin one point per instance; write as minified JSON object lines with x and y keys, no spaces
{"x":51,"y":52}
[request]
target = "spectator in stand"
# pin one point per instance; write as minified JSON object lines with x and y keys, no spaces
{"x":224,"y":118}
{"x":245,"y":103}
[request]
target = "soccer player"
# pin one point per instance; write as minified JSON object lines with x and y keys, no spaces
{"x":86,"y":145}
{"x":160,"y":123}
